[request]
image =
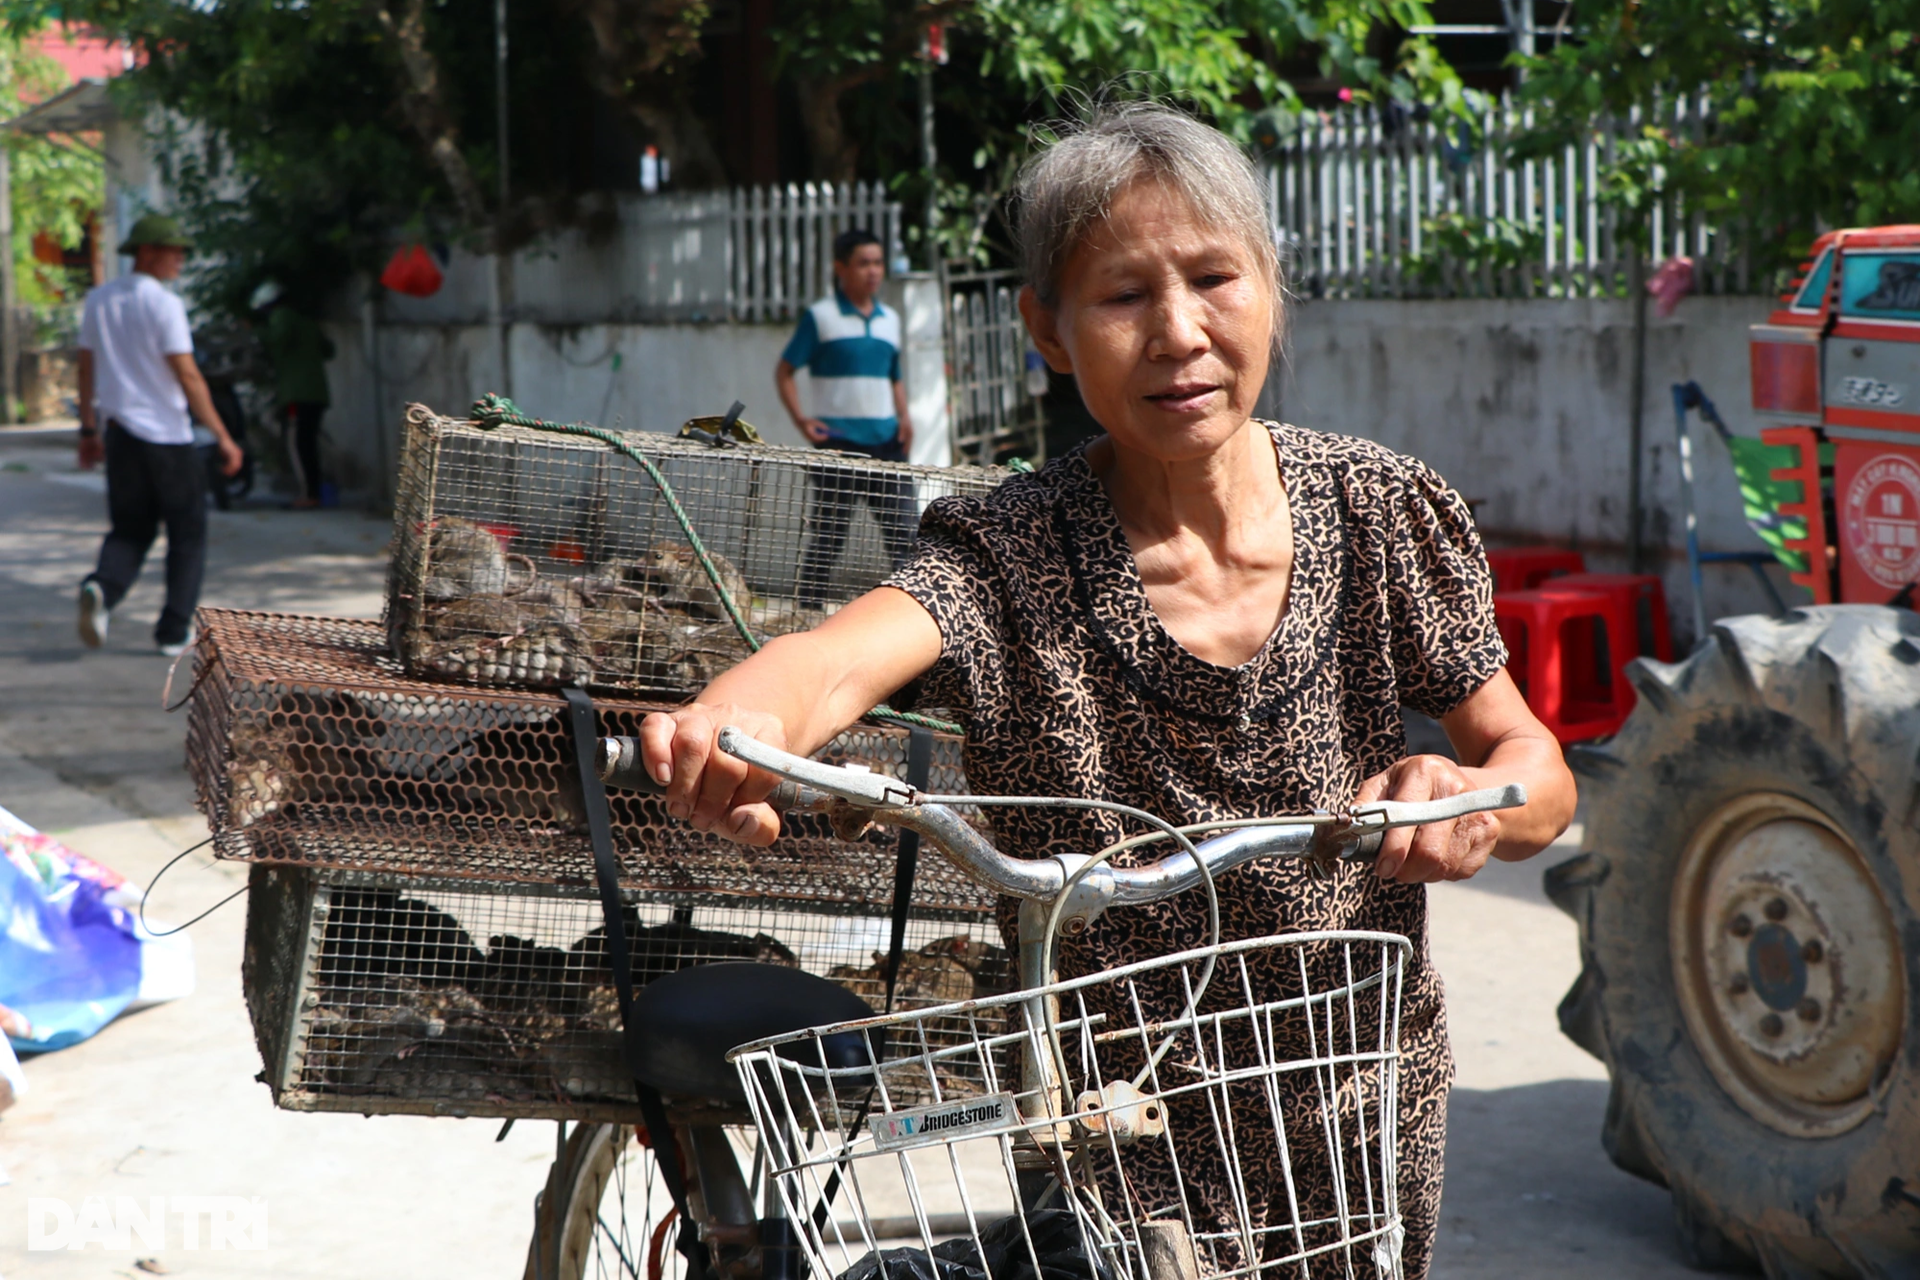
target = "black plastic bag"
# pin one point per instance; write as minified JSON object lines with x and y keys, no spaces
{"x":1056,"y":1243}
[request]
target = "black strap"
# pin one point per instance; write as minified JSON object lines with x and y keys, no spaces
{"x":586,"y":745}
{"x":907,"y":856}
{"x":906,"y":862}
{"x":666,"y":1150}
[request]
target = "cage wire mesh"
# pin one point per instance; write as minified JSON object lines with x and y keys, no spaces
{"x":308,"y":745}
{"x":386,"y":994}
{"x":423,"y":934}
{"x":1224,"y":1112}
{"x":522,"y":557}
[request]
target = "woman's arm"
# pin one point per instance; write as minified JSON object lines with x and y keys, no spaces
{"x":1499,"y":741}
{"x":796,"y":693}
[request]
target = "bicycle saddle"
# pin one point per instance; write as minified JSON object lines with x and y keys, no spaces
{"x":684,"y":1023}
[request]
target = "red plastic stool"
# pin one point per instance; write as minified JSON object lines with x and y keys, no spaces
{"x":1646,"y":603}
{"x":1561,"y":643}
{"x":1524,"y":568}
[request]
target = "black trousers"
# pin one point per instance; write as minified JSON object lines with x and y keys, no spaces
{"x":303,"y":422}
{"x":150,"y":485}
{"x":835,"y":491}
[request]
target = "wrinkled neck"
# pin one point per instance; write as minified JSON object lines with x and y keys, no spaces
{"x":1212,"y":498}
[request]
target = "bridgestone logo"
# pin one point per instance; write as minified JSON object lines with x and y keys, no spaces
{"x":948,"y":1122}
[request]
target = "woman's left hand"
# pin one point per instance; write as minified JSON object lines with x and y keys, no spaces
{"x":1440,"y":850}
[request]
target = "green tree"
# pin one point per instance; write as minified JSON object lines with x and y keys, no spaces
{"x":1225,"y":58}
{"x":57,"y":180}
{"x":1016,"y":61}
{"x":300,"y":135}
{"x":1813,"y":116}
{"x":642,"y":56}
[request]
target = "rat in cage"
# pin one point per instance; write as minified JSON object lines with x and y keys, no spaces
{"x":673,"y":575}
{"x":397,"y":1037}
{"x":679,"y":654}
{"x":944,"y":971}
{"x":520,"y":974}
{"x":365,"y":1023}
{"x":377,"y":932}
{"x":492,"y":639}
{"x":373,"y":752}
{"x":654,"y":618}
{"x":302,"y":749}
{"x":467,"y":559}
{"x":655,"y":950}
{"x":405,"y":1002}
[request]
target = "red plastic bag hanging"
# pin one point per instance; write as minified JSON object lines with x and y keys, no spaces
{"x":413,"y":271}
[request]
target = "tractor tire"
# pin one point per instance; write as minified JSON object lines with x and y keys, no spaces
{"x":1748,"y":896}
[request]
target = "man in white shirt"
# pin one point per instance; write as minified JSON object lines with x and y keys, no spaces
{"x":141,"y":391}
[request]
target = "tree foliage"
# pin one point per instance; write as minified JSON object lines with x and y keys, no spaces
{"x":57,"y":180}
{"x":1018,"y":64}
{"x":1813,"y":109}
{"x":301,"y":134}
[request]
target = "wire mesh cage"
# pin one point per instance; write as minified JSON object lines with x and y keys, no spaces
{"x":309,"y":746}
{"x":1224,"y":1112}
{"x":522,"y":557}
{"x":390,"y":994}
{"x":422,"y":931}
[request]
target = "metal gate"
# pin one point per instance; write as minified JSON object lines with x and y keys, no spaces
{"x":994,"y":414}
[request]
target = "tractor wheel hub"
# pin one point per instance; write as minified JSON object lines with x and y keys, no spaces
{"x":1786,"y":964}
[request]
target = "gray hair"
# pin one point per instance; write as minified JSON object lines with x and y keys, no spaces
{"x":1068,"y":187}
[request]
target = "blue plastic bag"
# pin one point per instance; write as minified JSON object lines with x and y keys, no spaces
{"x":70,"y":946}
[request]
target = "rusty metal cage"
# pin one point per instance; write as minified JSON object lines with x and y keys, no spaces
{"x":308,"y":745}
{"x":526,"y":558}
{"x":422,"y":922}
{"x":391,"y":994}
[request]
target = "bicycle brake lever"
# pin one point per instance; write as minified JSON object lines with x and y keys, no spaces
{"x":1358,"y":836}
{"x":868,"y":790}
{"x":1383,"y":815}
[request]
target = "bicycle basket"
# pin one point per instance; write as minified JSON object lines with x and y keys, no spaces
{"x":1223,"y":1112}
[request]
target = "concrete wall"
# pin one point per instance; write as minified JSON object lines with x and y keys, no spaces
{"x":1523,"y":406}
{"x":646,"y":377}
{"x":665,"y":375}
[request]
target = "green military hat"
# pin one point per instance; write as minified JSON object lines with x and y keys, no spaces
{"x":156,"y":228}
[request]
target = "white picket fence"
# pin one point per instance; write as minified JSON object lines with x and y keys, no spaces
{"x":757,"y":254}
{"x":1356,"y":199}
{"x":780,"y":246}
{"x":990,"y":409}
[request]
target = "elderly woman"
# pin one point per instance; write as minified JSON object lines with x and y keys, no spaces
{"x":1199,"y":614}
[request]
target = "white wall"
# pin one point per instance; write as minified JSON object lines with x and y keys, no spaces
{"x":1524,"y":405}
{"x":666,"y":374}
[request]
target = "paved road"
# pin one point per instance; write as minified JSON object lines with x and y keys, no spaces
{"x":163,"y":1103}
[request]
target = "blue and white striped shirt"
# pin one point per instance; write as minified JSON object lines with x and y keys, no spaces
{"x":852,"y":361}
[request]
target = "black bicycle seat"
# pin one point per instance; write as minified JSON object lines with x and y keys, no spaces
{"x":684,"y":1023}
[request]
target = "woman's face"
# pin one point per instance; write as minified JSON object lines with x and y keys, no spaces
{"x":1165,"y":323}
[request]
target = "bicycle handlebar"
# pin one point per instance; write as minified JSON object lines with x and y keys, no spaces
{"x":619,"y":765}
{"x":1353,"y":835}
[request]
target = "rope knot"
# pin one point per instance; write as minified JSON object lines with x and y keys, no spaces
{"x":493,"y":409}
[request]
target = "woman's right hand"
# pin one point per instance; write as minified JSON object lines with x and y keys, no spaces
{"x":706,"y":787}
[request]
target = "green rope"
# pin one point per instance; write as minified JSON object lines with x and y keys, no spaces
{"x":491,"y":411}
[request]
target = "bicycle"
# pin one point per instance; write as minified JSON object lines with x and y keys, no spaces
{"x":1038,"y":1100}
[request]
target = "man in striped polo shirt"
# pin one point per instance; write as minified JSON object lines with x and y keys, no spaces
{"x":850,"y":346}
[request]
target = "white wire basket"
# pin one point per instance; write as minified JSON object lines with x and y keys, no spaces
{"x":1224,"y":1112}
